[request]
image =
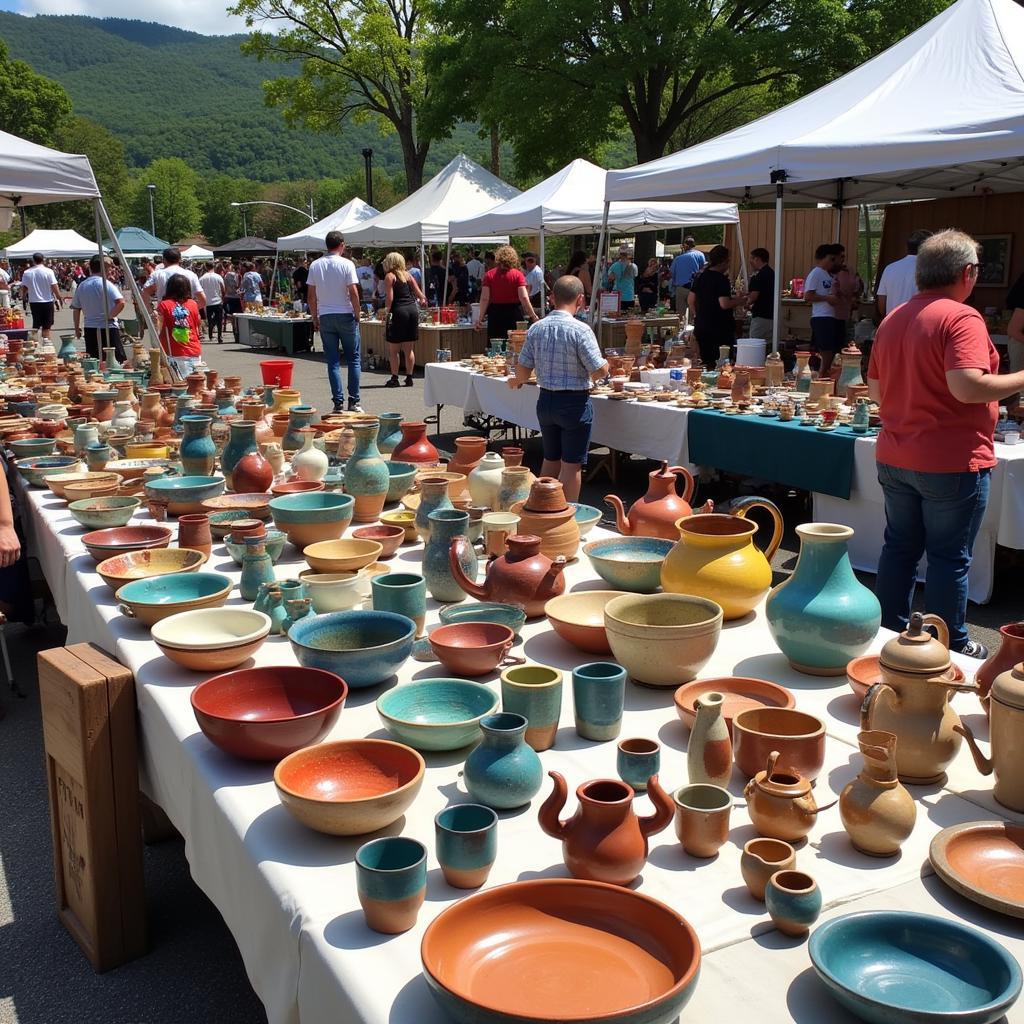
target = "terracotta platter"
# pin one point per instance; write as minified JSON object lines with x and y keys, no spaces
{"x":983,"y":861}
{"x":740,"y":693}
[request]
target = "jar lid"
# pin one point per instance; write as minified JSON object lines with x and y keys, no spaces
{"x":1008,"y":687}
{"x":915,"y":650}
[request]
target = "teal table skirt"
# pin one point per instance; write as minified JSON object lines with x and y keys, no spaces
{"x":786,"y":453}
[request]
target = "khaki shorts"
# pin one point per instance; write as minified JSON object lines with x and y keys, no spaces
{"x":1015,"y":350}
{"x":761,"y":327}
{"x":682,"y":294}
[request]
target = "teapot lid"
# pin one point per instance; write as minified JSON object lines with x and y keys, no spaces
{"x":1008,"y":687}
{"x":915,"y":649}
{"x":784,"y":782}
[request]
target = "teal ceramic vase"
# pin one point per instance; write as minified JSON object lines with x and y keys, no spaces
{"x":257,"y":568}
{"x":110,"y":358}
{"x":97,"y":456}
{"x":390,"y":431}
{"x":445,"y":525}
{"x":198,"y":452}
{"x":367,"y":477}
{"x":242,"y":442}
{"x":502,"y":772}
{"x":433,"y":498}
{"x":226,"y":402}
{"x":183,"y":406}
{"x":68,"y":350}
{"x":822,"y":617}
{"x":793,"y":900}
{"x":299,"y":418}
{"x":268,"y":395}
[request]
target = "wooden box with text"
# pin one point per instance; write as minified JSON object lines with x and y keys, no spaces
{"x":88,"y":709}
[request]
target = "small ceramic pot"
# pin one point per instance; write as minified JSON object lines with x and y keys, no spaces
{"x":702,"y":818}
{"x":497,"y":527}
{"x":391,"y":880}
{"x":466,"y":837}
{"x":636,"y":761}
{"x":761,"y":859}
{"x":535,"y":692}
{"x":598,"y":694}
{"x":401,"y":592}
{"x":194,"y":533}
{"x":794,"y":902}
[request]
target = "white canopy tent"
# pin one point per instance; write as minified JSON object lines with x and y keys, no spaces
{"x":196,"y":252}
{"x":344,"y":219}
{"x":941,"y":112}
{"x":57,"y":245}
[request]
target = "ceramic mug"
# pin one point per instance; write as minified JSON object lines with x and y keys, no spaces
{"x":391,"y":880}
{"x":598,"y":694}
{"x":292,"y":589}
{"x":466,"y":838}
{"x":401,"y":592}
{"x":535,"y":692}
{"x":793,"y":900}
{"x":702,"y":818}
{"x":498,"y":527}
{"x":194,"y":533}
{"x":636,"y":760}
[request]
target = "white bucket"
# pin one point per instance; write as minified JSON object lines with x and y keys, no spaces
{"x":474,"y":312}
{"x":658,"y":377}
{"x":751,"y":351}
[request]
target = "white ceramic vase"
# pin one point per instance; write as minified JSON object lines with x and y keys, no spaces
{"x":485,"y":480}
{"x":124,"y":417}
{"x":309,"y":462}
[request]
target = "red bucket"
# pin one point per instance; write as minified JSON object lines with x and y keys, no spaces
{"x":277,"y":372}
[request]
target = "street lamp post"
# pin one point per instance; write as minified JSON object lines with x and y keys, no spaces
{"x":368,"y":157}
{"x":284,"y":206}
{"x":151,"y":189}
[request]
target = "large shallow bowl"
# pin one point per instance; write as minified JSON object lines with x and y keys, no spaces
{"x":154,"y":599}
{"x":629,"y":563}
{"x":312,"y":516}
{"x":102,"y":485}
{"x":558,"y":949}
{"x":349,"y":787}
{"x":984,"y":861}
{"x":336,"y":591}
{"x":436,"y":714}
{"x":402,"y":476}
{"x":256,"y":505}
{"x":892,"y":966}
{"x":662,"y":639}
{"x":510,"y":615}
{"x":58,"y":481}
{"x":346,"y":555}
{"x":211,"y":639}
{"x":797,"y":736}
{"x":184,"y":495}
{"x":36,"y":470}
{"x":121,"y":540}
{"x":740,"y":693}
{"x":273,"y":541}
{"x":264,"y":714}
{"x":363,"y":647}
{"x":100,"y":513}
{"x":118,"y":570}
{"x":578,"y":618}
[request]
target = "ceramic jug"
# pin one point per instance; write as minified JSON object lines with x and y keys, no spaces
{"x":469,"y":451}
{"x":300,"y":417}
{"x":761,"y":859}
{"x":1006,"y":728}
{"x":241,"y":442}
{"x":198,"y":453}
{"x":877,"y":812}
{"x":715,"y":557}
{"x":414,"y":446}
{"x":485,"y":480}
{"x":502,"y":772}
{"x":823,"y":617}
{"x":605,"y":840}
{"x":912,"y":701}
{"x":257,"y":568}
{"x":309,"y":463}
{"x":658,"y":511}
{"x":445,"y":525}
{"x":780,"y":803}
{"x":366,"y":474}
{"x":433,"y":498}
{"x":709,"y":748}
{"x":1009,"y":653}
{"x":522,"y":576}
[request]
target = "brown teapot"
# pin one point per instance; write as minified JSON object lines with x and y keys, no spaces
{"x":781,"y":804}
{"x":655,"y":514}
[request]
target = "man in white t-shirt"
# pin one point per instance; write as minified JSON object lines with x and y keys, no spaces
{"x":157,"y":283}
{"x":898,"y":283}
{"x":534,"y":278}
{"x":212,"y":284}
{"x":828,"y":332}
{"x":475,"y":268}
{"x":40,"y":284}
{"x":334,"y":296}
{"x":5,"y":284}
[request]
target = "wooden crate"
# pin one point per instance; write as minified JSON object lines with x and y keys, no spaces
{"x":88,"y":708}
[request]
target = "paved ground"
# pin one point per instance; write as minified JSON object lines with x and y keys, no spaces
{"x":193,"y":972}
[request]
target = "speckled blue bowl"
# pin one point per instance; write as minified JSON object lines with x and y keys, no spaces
{"x":184,"y":494}
{"x":587,"y":517}
{"x":363,"y":647}
{"x":629,"y":563}
{"x":32,"y":447}
{"x":36,"y":470}
{"x":402,"y":476}
{"x":436,"y":714}
{"x":312,"y":516}
{"x":274,"y":540}
{"x":510,"y":615}
{"x":898,"y":967}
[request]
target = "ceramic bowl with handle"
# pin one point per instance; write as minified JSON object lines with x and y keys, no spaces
{"x":473,"y":648}
{"x":211,"y":639}
{"x":510,"y":615}
{"x":153,"y":599}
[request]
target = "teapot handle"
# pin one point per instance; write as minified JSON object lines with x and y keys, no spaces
{"x":689,"y":485}
{"x":940,"y":627}
{"x":868,"y":705}
{"x":744,"y":505}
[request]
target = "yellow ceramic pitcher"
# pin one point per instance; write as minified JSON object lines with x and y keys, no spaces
{"x":715,"y":557}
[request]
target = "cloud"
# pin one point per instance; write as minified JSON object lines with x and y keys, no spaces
{"x":207,"y":17}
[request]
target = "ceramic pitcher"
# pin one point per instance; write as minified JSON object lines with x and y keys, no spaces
{"x":445,"y":525}
{"x":1009,"y":653}
{"x":658,"y":511}
{"x":877,"y":812}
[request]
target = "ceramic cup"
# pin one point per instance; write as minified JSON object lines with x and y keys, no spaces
{"x":194,"y":533}
{"x":391,"y":879}
{"x":636,"y":761}
{"x":598,"y":692}
{"x":401,"y":592}
{"x":702,"y":818}
{"x":793,"y":900}
{"x":535,"y":692}
{"x":498,"y":527}
{"x":292,"y":590}
{"x":466,"y":844}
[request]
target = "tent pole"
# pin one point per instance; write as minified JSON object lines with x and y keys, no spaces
{"x":543,"y":288}
{"x":743,"y":254}
{"x":869,"y":245}
{"x":777,"y":305}
{"x":273,"y":277}
{"x":595,"y":284}
{"x":103,"y":273}
{"x":447,"y":264}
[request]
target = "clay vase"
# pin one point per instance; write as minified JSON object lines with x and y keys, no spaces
{"x":522,"y":576}
{"x":366,"y":474}
{"x":253,"y":474}
{"x":658,"y":511}
{"x":605,"y":841}
{"x":793,"y":900}
{"x":284,"y":399}
{"x":849,"y":375}
{"x":512,"y":456}
{"x":445,"y":525}
{"x":514,"y":485}
{"x":709,"y":748}
{"x":780,"y":803}
{"x":299,"y":418}
{"x":877,"y":812}
{"x":194,"y":533}
{"x":309,"y":463}
{"x":103,"y":405}
{"x":194,"y":383}
{"x":1009,"y":653}
{"x":469,"y":450}
{"x":242,"y":442}
{"x":502,"y":772}
{"x":152,"y":408}
{"x":198,"y":453}
{"x":485,"y":480}
{"x":433,"y":498}
{"x":414,"y":446}
{"x":634,"y":333}
{"x":546,"y":514}
{"x":390,"y":433}
{"x":257,"y":568}
{"x":760,"y":860}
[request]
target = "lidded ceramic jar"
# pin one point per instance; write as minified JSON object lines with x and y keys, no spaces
{"x":546,"y":514}
{"x":780,"y":802}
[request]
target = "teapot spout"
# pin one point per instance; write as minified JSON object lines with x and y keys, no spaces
{"x":455,"y":553}
{"x":557,"y":568}
{"x":547,"y":816}
{"x":622,"y":524}
{"x":983,"y":763}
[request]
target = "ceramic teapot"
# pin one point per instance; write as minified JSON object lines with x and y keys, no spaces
{"x":912,"y":701}
{"x":522,"y":576}
{"x":605,"y":840}
{"x":658,"y":511}
{"x":781,"y":804}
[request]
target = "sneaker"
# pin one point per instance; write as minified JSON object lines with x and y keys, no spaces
{"x":338,"y":407}
{"x":354,"y":406}
{"x":392,"y":382}
{"x":408,"y":382}
{"x":972,"y":649}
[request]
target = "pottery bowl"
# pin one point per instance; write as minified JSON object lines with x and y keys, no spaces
{"x":390,"y":538}
{"x":341,"y":555}
{"x":862,"y":673}
{"x":336,"y":591}
{"x":662,"y":639}
{"x":637,"y":959}
{"x":257,"y":506}
{"x":184,"y":494}
{"x":436,"y":714}
{"x":313,"y":516}
{"x":36,"y":469}
{"x":896,"y":966}
{"x":471,"y":648}
{"x":406,"y":520}
{"x":587,"y":517}
{"x":121,"y":540}
{"x":133,"y":469}
{"x":510,"y":615}
{"x":364,"y":647}
{"x":629,"y":563}
{"x":264,"y":714}
{"x":211,"y":639}
{"x":578,"y":618}
{"x":58,"y":481}
{"x":118,"y":570}
{"x":296,"y":487}
{"x":150,"y":600}
{"x":349,"y":787}
{"x":222,"y":523}
{"x":99,"y":513}
{"x":81,"y":489}
{"x":402,"y":477}
{"x":797,"y":736}
{"x":32,"y":447}
{"x":740,"y":693}
{"x":274,"y":541}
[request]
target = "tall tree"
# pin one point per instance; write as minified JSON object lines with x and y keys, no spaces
{"x":222,"y":222}
{"x":31,"y":106}
{"x":358,"y":59}
{"x":175,"y":201}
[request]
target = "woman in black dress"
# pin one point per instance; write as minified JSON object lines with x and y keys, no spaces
{"x":402,"y":300}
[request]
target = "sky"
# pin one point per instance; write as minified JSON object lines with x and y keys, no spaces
{"x":204,"y":16}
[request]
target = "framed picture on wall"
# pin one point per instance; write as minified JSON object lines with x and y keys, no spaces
{"x":995,"y":260}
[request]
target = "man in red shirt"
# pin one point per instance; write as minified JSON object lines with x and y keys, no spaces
{"x":934,"y":373}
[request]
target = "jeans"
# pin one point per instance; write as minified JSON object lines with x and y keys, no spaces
{"x":937,"y":514}
{"x":341,"y":329}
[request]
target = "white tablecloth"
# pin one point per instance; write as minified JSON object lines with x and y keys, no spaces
{"x":288,"y":894}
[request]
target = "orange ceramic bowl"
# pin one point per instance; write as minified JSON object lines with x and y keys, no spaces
{"x":797,"y":736}
{"x":471,"y":648}
{"x":390,"y":538}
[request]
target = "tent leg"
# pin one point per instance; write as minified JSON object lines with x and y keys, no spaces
{"x":777,"y":304}
{"x":447,"y":264}
{"x":103,"y":272}
{"x":543,"y":267}
{"x":743,"y":254}
{"x":595,"y":284}
{"x":273,"y":278}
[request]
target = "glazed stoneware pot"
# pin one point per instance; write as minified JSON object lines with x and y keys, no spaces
{"x":366,"y":474}
{"x":513,"y":486}
{"x":598,"y":695}
{"x":793,"y":900}
{"x":658,"y":511}
{"x":605,"y":841}
{"x":823,"y":616}
{"x":637,"y":761}
{"x":241,"y":442}
{"x":391,"y":882}
{"x":390,"y":433}
{"x":469,"y":450}
{"x":578,"y":618}
{"x":198,"y":453}
{"x":434,"y":497}
{"x":797,"y":736}
{"x":414,"y":446}
{"x":629,"y":563}
{"x":780,"y":803}
{"x":300,"y":417}
{"x":761,"y":859}
{"x":1010,"y":652}
{"x":312,"y":516}
{"x":709,"y":748}
{"x":466,"y":842}
{"x":702,"y":818}
{"x":502,"y":771}
{"x":535,"y":692}
{"x":484,"y":480}
{"x":436,"y":714}
{"x":446,"y":525}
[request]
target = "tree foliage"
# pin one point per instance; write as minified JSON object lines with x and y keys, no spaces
{"x":175,"y":201}
{"x":31,"y":106}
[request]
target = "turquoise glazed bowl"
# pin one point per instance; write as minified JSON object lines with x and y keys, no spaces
{"x":436,"y":714}
{"x":629,"y":563}
{"x":402,"y":476}
{"x":36,"y":470}
{"x":99,"y":513}
{"x":510,"y":615}
{"x":184,"y":494}
{"x":312,"y":516}
{"x":898,"y":967}
{"x":31,"y":447}
{"x":587,"y":517}
{"x":363,"y":647}
{"x":274,"y":541}
{"x":221,"y":523}
{"x":153,"y":599}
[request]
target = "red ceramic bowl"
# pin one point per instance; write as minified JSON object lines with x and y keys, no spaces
{"x":120,"y":540}
{"x":264,"y":714}
{"x":797,"y":736}
{"x":471,"y":648}
{"x":297,"y":487}
{"x":388,"y":537}
{"x":740,"y":693}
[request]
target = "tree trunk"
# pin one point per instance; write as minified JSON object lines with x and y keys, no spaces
{"x":649,"y":146}
{"x":495,"y":152}
{"x":414,"y":157}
